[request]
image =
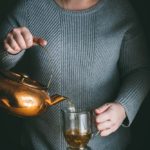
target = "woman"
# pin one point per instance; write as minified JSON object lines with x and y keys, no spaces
{"x":97,"y":56}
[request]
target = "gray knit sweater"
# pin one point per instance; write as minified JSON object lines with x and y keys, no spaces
{"x":97,"y":55}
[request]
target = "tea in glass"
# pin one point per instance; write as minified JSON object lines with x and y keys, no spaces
{"x":77,"y":128}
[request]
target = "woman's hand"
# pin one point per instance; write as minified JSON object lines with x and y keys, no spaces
{"x":21,"y":38}
{"x":109,"y":117}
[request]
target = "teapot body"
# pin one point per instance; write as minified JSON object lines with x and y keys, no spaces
{"x":25,"y":100}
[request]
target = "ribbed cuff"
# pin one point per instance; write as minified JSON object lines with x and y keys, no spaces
{"x":133,"y":92}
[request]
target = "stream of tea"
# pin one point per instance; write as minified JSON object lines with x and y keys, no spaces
{"x":71,"y":105}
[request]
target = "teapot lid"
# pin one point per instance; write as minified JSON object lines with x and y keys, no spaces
{"x":22,"y":79}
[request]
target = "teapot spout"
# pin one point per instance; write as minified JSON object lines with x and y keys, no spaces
{"x":54,"y":99}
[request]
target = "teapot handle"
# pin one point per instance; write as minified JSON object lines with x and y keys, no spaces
{"x":4,"y":102}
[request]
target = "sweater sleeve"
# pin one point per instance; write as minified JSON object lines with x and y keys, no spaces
{"x":16,"y":18}
{"x":134,"y":68}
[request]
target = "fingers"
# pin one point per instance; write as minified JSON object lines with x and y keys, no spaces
{"x":40,"y":41}
{"x":109,"y":117}
{"x":102,"y":108}
{"x":103,"y":120}
{"x":9,"y":49}
{"x":106,"y":128}
{"x":107,"y":132}
{"x":102,"y":117}
{"x":105,"y":125}
{"x":27,"y":37}
{"x":17,"y":40}
{"x":12,"y":43}
{"x":21,"y":38}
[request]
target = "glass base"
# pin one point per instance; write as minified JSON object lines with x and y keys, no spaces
{"x":81,"y":148}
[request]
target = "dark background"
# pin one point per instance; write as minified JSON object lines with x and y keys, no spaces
{"x":10,"y":126}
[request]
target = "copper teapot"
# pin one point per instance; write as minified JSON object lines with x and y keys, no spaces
{"x":22,"y":96}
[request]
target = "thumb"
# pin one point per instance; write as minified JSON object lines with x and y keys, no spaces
{"x":40,"y":41}
{"x":102,"y":108}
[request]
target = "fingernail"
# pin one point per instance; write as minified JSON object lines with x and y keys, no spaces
{"x":97,"y":111}
{"x":44,"y":43}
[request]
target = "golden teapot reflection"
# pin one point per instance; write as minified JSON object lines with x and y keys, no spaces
{"x":22,"y":96}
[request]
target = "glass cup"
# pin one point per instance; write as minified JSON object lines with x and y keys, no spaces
{"x":77,"y":128}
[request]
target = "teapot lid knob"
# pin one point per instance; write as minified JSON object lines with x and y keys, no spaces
{"x":23,"y":77}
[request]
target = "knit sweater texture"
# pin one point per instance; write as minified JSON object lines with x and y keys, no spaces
{"x":95,"y":56}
